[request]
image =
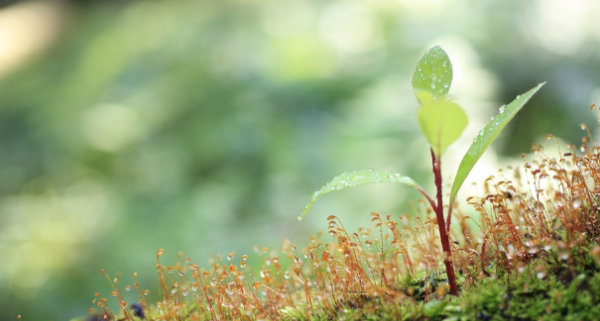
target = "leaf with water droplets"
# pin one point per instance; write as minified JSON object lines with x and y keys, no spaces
{"x":356,"y":178}
{"x":441,"y":121}
{"x":487,"y":136}
{"x":433,"y":74}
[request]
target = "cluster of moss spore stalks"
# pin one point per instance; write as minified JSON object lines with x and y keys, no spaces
{"x":529,"y":250}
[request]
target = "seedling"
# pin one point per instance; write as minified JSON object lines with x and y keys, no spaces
{"x":442,"y":121}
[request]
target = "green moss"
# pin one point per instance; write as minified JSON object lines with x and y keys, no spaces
{"x":571,"y":292}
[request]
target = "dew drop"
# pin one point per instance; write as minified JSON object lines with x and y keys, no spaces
{"x":576,"y":203}
{"x":432,"y":85}
{"x":518,"y":96}
{"x":493,"y":117}
{"x":481,"y":132}
{"x":501,"y":110}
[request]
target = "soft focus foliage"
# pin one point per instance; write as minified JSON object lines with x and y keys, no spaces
{"x":201,"y":126}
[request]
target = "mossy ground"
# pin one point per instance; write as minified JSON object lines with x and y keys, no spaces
{"x":569,"y":292}
{"x":528,"y":250}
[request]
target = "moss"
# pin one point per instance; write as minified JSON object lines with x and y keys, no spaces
{"x":528,"y":296}
{"x":528,"y":250}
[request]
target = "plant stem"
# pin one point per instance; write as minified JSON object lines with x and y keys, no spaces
{"x":431,"y":202}
{"x":439,"y":213}
{"x":449,"y":219}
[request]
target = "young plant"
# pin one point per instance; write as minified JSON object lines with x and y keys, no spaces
{"x":442,"y":121}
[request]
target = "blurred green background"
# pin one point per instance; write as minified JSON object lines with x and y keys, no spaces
{"x":204,"y":126}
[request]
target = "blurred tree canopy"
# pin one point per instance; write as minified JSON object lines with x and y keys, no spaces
{"x":203,"y":126}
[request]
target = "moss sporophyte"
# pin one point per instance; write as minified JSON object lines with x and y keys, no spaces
{"x":528,"y":251}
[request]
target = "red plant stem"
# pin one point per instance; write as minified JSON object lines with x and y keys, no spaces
{"x":431,"y":202}
{"x":439,"y":213}
{"x":449,"y":218}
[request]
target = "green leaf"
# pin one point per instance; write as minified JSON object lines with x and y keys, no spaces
{"x":423,"y":96}
{"x":486,"y":137}
{"x":433,"y":74}
{"x":442,"y":121}
{"x":351,"y":179}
